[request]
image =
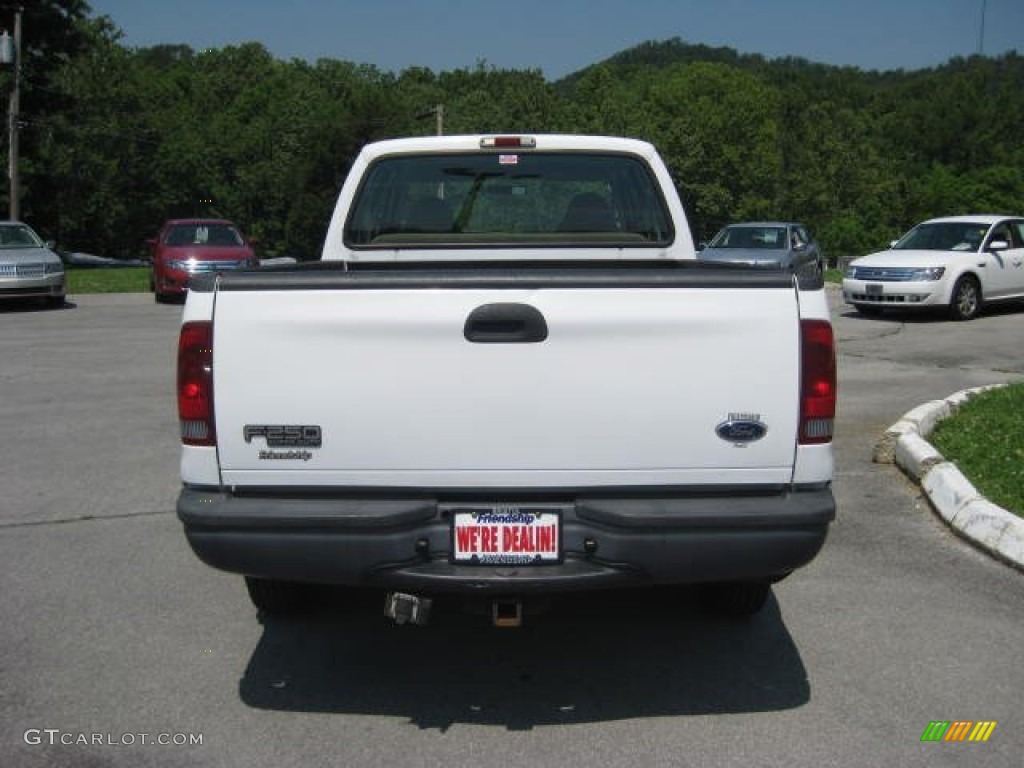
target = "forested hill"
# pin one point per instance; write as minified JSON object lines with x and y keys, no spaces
{"x":859,"y":154}
{"x":673,"y":52}
{"x":116,"y":139}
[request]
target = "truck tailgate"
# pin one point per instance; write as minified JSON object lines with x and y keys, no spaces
{"x":627,"y":388}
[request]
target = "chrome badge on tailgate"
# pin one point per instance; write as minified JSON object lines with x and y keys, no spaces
{"x":285,"y":435}
{"x":742,"y":428}
{"x":293,"y":436}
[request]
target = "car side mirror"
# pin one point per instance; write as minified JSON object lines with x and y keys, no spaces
{"x":51,"y":244}
{"x":998,"y":245}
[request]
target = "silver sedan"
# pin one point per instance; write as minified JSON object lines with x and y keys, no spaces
{"x":28,"y":267}
{"x":781,"y":244}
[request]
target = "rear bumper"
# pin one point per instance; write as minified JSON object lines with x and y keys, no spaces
{"x":611,"y":540}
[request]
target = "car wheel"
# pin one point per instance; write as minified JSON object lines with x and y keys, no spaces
{"x":734,"y":599}
{"x":868,"y":310}
{"x":965,"y":302}
{"x":55,"y":302}
{"x":278,"y":598}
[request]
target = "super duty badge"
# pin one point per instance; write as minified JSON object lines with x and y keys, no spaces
{"x":285,"y":435}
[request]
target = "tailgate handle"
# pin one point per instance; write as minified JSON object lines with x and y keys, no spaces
{"x":505,"y":323}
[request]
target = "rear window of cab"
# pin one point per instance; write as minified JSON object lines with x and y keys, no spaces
{"x":508,"y":198}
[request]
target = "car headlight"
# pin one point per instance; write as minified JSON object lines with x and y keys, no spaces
{"x":53,"y":267}
{"x":850,"y":272}
{"x":928,"y":273}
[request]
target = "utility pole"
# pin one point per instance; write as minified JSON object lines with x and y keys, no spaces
{"x":438,"y":113}
{"x":10,"y":53}
{"x":981,"y":33}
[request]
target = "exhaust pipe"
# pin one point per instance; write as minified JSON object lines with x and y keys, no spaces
{"x":507,"y":613}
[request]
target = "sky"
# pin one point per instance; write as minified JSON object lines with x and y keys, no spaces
{"x":559,"y":37}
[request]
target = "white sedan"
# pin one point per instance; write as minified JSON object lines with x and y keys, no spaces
{"x":958,"y":262}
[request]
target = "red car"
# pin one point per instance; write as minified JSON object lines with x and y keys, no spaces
{"x":187,"y":247}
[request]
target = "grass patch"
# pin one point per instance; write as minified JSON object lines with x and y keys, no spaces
{"x":986,"y":441}
{"x":107,"y":280}
{"x":833,"y":275}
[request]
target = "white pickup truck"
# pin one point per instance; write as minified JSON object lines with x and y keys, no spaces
{"x":508,"y":376}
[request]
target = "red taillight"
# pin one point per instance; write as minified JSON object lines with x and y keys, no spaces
{"x":818,"y":384}
{"x":195,"y":384}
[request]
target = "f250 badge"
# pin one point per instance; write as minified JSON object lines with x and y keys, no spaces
{"x":742,"y":428}
{"x":285,"y":435}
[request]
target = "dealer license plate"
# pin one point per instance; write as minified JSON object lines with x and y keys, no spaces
{"x":503,"y":534}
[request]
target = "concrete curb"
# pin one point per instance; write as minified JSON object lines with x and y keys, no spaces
{"x":989,"y":527}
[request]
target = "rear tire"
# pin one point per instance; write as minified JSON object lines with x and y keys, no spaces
{"x":278,"y":598}
{"x":965,"y":301}
{"x":738,"y":599}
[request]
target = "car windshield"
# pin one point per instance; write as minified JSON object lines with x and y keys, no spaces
{"x":750,"y":237}
{"x":943,"y":236}
{"x":18,"y":236}
{"x":204,"y":234}
{"x":543,"y":199}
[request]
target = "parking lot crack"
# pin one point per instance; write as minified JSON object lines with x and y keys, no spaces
{"x":81,"y":519}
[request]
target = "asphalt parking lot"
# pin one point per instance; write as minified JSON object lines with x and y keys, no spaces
{"x":114,"y":633}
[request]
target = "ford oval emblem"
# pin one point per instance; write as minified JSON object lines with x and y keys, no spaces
{"x":741,"y":430}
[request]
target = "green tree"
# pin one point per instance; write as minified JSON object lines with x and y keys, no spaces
{"x":718,"y":128}
{"x":96,"y":148}
{"x":52,"y":34}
